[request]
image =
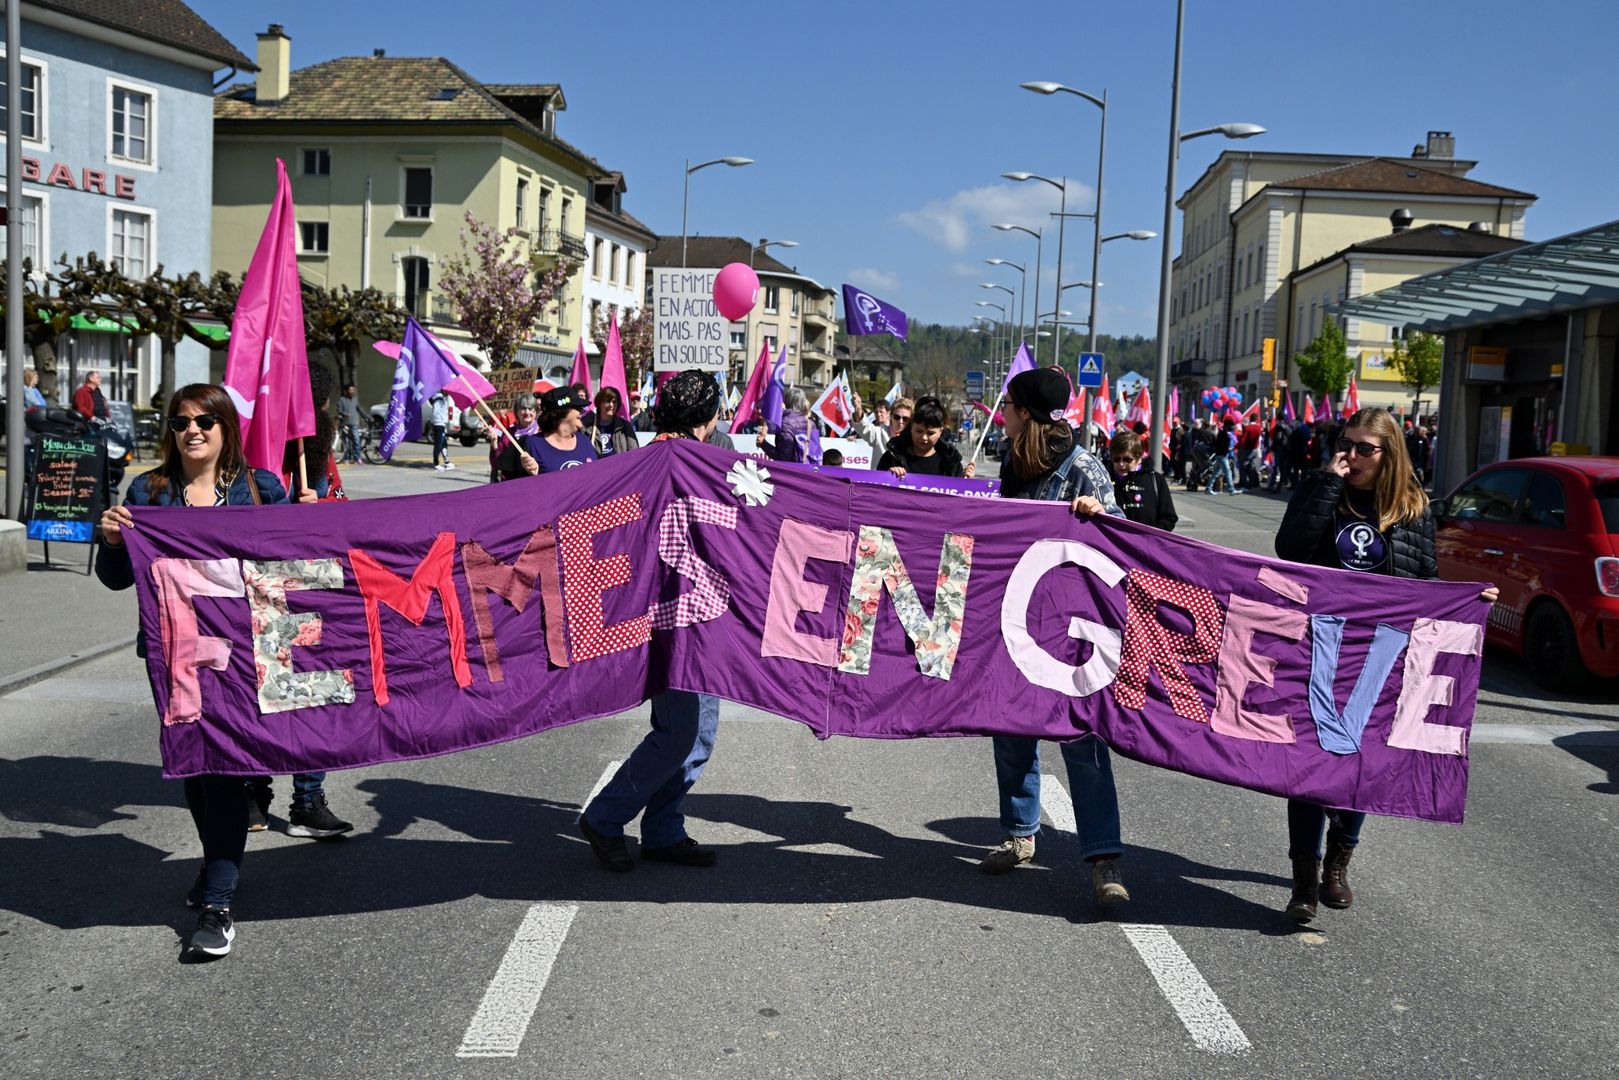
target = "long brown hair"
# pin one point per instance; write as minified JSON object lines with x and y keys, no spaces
{"x":1400,"y":498}
{"x":210,"y":399}
{"x":1032,"y":452}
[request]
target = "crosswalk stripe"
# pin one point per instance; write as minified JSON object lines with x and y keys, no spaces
{"x":503,"y":1016}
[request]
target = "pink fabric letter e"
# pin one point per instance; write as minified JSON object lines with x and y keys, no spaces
{"x":791,"y":594}
{"x":184,"y":649}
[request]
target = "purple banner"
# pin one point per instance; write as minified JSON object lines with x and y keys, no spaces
{"x":297,"y":638}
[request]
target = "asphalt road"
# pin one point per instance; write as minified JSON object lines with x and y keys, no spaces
{"x":845,"y":933}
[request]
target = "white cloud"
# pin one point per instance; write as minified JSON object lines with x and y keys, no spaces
{"x":870,"y":278}
{"x":957,"y":221}
{"x":966,"y":270}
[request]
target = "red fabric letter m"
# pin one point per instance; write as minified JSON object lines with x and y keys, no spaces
{"x":379,"y":585}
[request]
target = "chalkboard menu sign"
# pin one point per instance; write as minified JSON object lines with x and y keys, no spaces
{"x":65,"y":501}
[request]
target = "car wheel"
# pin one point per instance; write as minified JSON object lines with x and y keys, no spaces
{"x":1552,"y":650}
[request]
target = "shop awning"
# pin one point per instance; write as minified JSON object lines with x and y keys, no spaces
{"x":1576,"y":271}
{"x":101,"y":323}
{"x":212,"y":330}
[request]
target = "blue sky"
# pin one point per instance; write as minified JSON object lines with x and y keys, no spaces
{"x":880,"y":129}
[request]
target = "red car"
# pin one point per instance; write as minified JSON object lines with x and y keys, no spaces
{"x":1544,"y":531}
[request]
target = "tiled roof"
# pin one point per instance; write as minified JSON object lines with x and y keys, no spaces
{"x":1400,"y":177}
{"x":167,"y":21}
{"x":1439,"y":241}
{"x":714,"y":251}
{"x":382,"y":89}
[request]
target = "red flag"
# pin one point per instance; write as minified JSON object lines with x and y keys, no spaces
{"x":835,"y":406}
{"x":1075,"y":414}
{"x":1102,"y":411}
{"x":267,"y":365}
{"x":1309,"y":409}
{"x":1352,"y":401}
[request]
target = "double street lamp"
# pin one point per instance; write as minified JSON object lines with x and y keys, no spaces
{"x":1038,"y":244}
{"x":1061,"y":186}
{"x":1022,"y":286}
{"x":685,"y":196}
{"x":1160,"y":379}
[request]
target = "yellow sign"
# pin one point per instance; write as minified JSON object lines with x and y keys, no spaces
{"x":1269,"y":354}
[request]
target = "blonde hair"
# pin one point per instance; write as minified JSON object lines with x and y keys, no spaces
{"x":1400,"y":498}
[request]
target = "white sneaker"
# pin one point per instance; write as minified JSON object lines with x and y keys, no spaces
{"x":449,"y":465}
{"x":438,"y":468}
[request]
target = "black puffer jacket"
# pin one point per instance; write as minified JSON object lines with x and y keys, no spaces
{"x":901,"y":453}
{"x":1308,"y":535}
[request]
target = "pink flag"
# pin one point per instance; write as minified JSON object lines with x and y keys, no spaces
{"x":613,"y":362}
{"x":469,"y":384}
{"x":580,"y":376}
{"x":754,"y":392}
{"x":267,"y":365}
{"x":1174,"y":409}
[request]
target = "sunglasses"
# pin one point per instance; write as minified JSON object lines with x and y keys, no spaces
{"x":205,"y":422}
{"x":1364,"y":449}
{"x":899,"y":417}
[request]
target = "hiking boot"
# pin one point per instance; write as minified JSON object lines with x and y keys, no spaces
{"x":1008,"y":855}
{"x":1106,"y":883}
{"x":1306,"y":883}
{"x":609,"y":850}
{"x":316,"y":821}
{"x":686,"y":853}
{"x":215,"y":932}
{"x":1335,"y":891}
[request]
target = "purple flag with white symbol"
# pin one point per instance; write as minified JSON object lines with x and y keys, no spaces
{"x":776,"y":392}
{"x":865,"y":314}
{"x":420,"y":372}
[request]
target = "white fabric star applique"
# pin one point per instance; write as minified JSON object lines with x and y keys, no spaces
{"x":750,"y":483}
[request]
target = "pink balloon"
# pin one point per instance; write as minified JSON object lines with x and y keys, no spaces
{"x":736,"y":289}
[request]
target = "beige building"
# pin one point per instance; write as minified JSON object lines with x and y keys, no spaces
{"x":792,"y":309}
{"x":1254,"y":219}
{"x":387,"y":155}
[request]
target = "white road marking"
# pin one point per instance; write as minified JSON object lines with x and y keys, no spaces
{"x":1573,"y":734}
{"x":1189,"y":994}
{"x":607,"y":774}
{"x":1194,"y":1001}
{"x":508,"y":1004}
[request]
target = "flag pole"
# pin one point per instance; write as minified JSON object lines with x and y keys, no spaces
{"x":989,"y":422}
{"x":303,"y":467}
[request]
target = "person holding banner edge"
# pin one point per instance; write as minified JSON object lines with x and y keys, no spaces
{"x":654,"y":779}
{"x":1047,"y":460}
{"x":200,"y":464}
{"x":1364,"y":511}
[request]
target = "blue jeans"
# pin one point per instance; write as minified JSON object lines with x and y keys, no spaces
{"x":657,"y":775}
{"x":1090,"y":784}
{"x":353,"y":457}
{"x":218,"y":806}
{"x":305,"y":786}
{"x":1306,"y":822}
{"x":1223,"y":467}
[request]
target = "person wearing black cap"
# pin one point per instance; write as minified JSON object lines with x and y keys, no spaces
{"x":1046,"y":460}
{"x":555,"y":445}
{"x":654,"y":779}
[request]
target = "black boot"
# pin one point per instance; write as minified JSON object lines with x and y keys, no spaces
{"x":1335,"y":890}
{"x":1306,"y":878}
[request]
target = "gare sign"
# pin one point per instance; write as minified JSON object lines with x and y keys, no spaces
{"x":94,"y":181}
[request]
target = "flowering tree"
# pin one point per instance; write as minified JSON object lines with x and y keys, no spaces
{"x":634,"y":338}
{"x":501,"y":292}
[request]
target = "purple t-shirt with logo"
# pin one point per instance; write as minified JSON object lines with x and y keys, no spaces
{"x":553,"y":460}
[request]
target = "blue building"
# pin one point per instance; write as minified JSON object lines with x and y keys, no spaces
{"x":117,"y":130}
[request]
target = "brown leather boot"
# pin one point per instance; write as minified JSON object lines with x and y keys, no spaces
{"x":1306,"y":876}
{"x":1335,"y":890}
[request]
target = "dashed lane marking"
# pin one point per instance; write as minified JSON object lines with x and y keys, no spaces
{"x":1200,"y":1011}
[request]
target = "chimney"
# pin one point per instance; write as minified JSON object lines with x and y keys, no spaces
{"x":275,"y":59}
{"x":1401,"y":219}
{"x":1441,"y":144}
{"x":1479,"y":227}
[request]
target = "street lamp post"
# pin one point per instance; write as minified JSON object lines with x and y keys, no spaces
{"x":1062,"y":209}
{"x":685,"y":195}
{"x":1039,"y":243}
{"x":1022,"y":290}
{"x":1160,"y":380}
{"x":999,"y":361}
{"x":763,"y":243}
{"x":1013,"y":296}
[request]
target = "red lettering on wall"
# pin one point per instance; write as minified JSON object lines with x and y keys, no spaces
{"x":379,"y":586}
{"x":94,"y":180}
{"x":30,"y":169}
{"x":1148,"y":643}
{"x":123,"y":186}
{"x":61,"y":176}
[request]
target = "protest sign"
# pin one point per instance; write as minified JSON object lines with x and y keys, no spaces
{"x":688,"y":331}
{"x":68,"y":491}
{"x":299,"y":638}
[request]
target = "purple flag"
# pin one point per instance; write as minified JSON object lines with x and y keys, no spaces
{"x":1020,"y":363}
{"x":863,"y":313}
{"x":855,"y":609}
{"x":420,"y":372}
{"x":812,"y":451}
{"x":776,"y":392}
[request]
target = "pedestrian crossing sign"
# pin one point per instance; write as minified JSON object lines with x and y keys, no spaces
{"x":1090,"y":369}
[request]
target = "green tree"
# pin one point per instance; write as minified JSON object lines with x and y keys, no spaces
{"x":48,"y":310}
{"x":500,"y":289}
{"x":1418,"y":361}
{"x":344,"y":321}
{"x":1326,"y":364}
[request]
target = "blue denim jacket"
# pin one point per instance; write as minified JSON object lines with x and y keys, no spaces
{"x":1077,"y":474}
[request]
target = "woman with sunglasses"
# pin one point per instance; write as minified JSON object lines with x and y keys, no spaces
{"x":1363,"y":511}
{"x":200,"y":464}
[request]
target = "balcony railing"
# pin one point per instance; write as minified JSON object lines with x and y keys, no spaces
{"x":444,"y":310}
{"x":1188,"y":369}
{"x":561,"y":242}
